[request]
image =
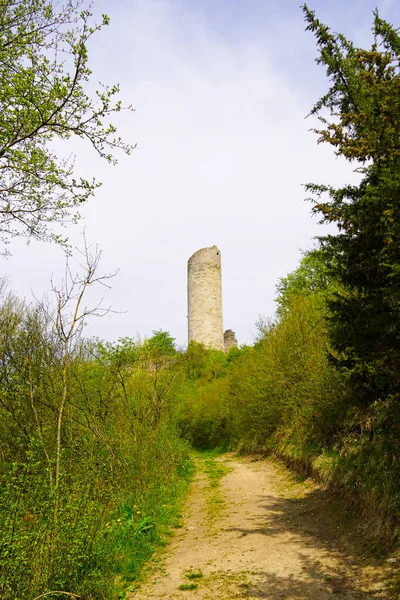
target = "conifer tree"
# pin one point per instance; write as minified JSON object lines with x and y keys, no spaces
{"x":360,"y":118}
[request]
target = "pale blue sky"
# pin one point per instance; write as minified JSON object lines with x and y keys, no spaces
{"x":220,"y":90}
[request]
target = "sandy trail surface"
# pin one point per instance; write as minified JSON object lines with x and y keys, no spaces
{"x":252,"y":530}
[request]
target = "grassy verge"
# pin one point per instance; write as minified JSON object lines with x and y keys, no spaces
{"x":214,"y":470}
{"x":146,"y":527}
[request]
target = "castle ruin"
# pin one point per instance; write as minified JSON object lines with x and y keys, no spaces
{"x":205,"y":301}
{"x":230,"y":340}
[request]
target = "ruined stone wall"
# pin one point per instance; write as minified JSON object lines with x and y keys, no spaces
{"x":205,"y":298}
{"x":230,"y":340}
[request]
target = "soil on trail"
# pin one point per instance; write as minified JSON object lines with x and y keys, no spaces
{"x":251,"y":530}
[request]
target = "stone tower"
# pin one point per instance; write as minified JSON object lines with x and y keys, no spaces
{"x":205,"y":298}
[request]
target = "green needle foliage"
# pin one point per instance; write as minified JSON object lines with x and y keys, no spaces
{"x":360,"y":119}
{"x":44,"y":71}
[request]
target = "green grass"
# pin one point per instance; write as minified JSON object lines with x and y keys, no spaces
{"x":144,"y":529}
{"x":215,"y":471}
{"x":194,"y":575}
{"x":188,"y":586}
{"x":205,"y":459}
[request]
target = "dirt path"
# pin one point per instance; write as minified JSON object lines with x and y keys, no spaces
{"x":252,"y":531}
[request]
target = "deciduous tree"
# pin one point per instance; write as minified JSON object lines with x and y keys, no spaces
{"x":44,"y":71}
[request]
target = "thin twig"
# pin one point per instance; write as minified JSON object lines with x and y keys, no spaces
{"x":57,"y":592}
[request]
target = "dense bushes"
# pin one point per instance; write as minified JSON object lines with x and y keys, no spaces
{"x":203,"y":417}
{"x":130,"y":410}
{"x":285,"y":394}
{"x":279,"y":393}
{"x":122,"y":465}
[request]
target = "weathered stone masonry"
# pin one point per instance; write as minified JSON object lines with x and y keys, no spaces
{"x":230,"y":340}
{"x":205,"y":300}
